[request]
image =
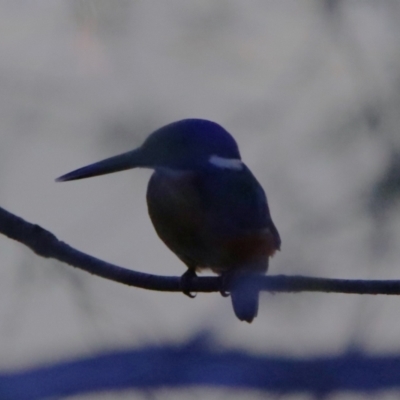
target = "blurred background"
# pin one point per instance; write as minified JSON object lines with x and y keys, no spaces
{"x":310,"y":90}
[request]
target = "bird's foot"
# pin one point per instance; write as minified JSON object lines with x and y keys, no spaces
{"x":225,"y":284}
{"x":186,"y":280}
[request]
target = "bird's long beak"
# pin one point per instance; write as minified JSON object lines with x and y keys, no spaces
{"x":121,"y":162}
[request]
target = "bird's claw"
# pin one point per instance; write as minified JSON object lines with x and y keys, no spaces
{"x":186,"y":280}
{"x":225,"y":283}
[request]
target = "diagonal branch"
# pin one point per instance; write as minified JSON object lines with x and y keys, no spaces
{"x":46,"y":244}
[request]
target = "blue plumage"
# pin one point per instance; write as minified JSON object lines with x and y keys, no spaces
{"x":188,"y":144}
{"x":205,"y":204}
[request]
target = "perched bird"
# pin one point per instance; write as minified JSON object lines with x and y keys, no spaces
{"x":204,"y":203}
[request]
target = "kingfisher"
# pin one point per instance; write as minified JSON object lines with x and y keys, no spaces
{"x":205,"y":205}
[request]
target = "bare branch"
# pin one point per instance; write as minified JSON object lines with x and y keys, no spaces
{"x":192,"y":365}
{"x":45,"y":244}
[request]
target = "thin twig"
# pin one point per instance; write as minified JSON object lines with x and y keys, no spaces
{"x":46,"y":244}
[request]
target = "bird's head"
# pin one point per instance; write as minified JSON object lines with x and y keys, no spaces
{"x":189,"y":144}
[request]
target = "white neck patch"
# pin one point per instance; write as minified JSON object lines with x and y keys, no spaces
{"x":226,"y":163}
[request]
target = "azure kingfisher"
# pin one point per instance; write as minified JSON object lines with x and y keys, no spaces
{"x":204,"y":203}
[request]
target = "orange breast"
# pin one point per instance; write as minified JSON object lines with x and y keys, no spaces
{"x":247,"y":251}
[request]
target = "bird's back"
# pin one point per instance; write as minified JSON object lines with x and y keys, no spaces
{"x":216,"y":218}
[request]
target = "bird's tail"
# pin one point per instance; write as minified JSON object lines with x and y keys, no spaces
{"x":244,"y":297}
